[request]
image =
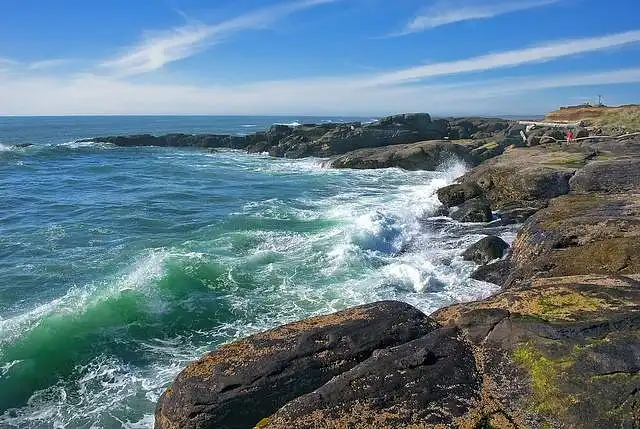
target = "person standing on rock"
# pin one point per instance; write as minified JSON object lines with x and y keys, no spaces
{"x":569,"y":136}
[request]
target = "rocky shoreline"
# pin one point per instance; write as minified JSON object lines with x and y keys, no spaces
{"x":557,"y":347}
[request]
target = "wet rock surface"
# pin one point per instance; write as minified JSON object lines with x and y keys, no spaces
{"x":474,"y":210}
{"x":486,"y":250}
{"x":456,"y":194}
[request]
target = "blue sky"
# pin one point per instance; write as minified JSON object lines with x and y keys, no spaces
{"x":342,"y":57}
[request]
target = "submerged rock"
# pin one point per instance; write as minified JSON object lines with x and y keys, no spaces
{"x":474,"y":210}
{"x":243,"y":382}
{"x":456,"y":194}
{"x":486,"y":250}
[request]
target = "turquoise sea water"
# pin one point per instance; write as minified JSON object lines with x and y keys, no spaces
{"x":120,"y":265}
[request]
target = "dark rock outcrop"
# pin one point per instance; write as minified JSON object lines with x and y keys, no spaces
{"x":474,"y":210}
{"x":490,"y":136}
{"x":527,"y":177}
{"x":486,"y":250}
{"x":563,"y":353}
{"x":579,"y":235}
{"x":428,"y":155}
{"x":496,"y":273}
{"x":428,"y":382}
{"x":242,"y":382}
{"x":456,"y":194}
{"x":616,"y":175}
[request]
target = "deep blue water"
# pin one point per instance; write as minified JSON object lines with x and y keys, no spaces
{"x":120,"y":265}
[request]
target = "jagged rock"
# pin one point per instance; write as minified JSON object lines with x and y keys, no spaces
{"x":527,"y":177}
{"x":563,"y":353}
{"x":579,"y":234}
{"x":486,"y":250}
{"x":474,"y":210}
{"x":616,"y":175}
{"x":496,"y":273}
{"x":243,"y":382}
{"x":456,"y":194}
{"x":429,"y":382}
{"x":427,"y":155}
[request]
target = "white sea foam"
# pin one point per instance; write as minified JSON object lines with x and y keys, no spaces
{"x":290,"y":124}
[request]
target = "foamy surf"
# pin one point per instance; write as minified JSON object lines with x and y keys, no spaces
{"x":186,"y":250}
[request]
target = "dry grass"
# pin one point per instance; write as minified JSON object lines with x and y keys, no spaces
{"x":614,"y":118}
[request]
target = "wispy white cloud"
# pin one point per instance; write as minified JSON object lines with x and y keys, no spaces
{"x":47,"y":64}
{"x":513,"y":58}
{"x":449,"y":12}
{"x":410,"y":89}
{"x":179,"y":43}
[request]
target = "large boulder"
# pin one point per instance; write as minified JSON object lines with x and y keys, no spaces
{"x":527,"y":177}
{"x":458,"y":193}
{"x":428,"y":155}
{"x":474,"y":210}
{"x":486,"y":250}
{"x":563,"y":353}
{"x":616,"y":175}
{"x":427,"y":383}
{"x":579,"y":235}
{"x":243,"y":382}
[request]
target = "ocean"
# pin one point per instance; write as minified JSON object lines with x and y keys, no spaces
{"x":118,"y":266}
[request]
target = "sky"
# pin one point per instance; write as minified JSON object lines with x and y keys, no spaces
{"x":316,"y":57}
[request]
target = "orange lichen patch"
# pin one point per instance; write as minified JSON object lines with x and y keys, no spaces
{"x":285,"y":332}
{"x":230,"y":357}
{"x":360,"y":416}
{"x":558,"y":299}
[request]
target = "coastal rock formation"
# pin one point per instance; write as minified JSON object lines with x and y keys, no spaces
{"x":484,"y":137}
{"x":616,"y":175}
{"x":564,"y":352}
{"x":474,"y":210}
{"x":579,"y":234}
{"x":527,"y":177}
{"x":428,"y":382}
{"x":456,"y":194}
{"x":496,"y":273}
{"x":427,"y":155}
{"x":486,"y":250}
{"x":241,"y":383}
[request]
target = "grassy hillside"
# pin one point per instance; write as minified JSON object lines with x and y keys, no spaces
{"x":616,"y":119}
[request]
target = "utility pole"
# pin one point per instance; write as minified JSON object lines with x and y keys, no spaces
{"x":599,"y":100}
